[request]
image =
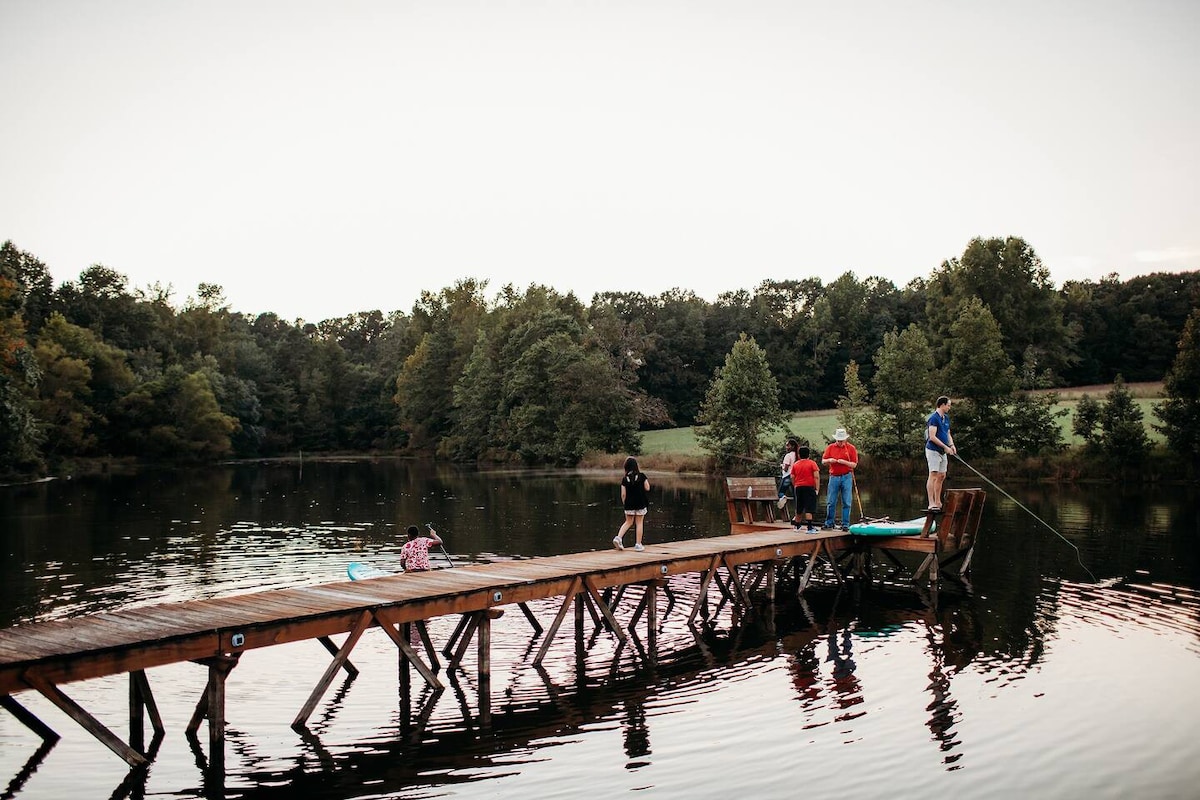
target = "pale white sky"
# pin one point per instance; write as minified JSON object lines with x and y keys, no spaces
{"x":321,"y":158}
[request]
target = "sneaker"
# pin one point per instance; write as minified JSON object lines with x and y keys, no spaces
{"x":829,"y":526}
{"x":843,"y":528}
{"x":638,"y":547}
{"x":811,"y":529}
{"x":795,"y":525}
{"x":617,"y":543}
{"x":782,"y":502}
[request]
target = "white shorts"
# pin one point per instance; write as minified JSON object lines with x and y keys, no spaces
{"x":641,"y":512}
{"x":937,"y":461}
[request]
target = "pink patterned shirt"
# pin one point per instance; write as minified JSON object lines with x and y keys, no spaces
{"x":415,"y":554}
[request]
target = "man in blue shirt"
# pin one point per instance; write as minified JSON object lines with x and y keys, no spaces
{"x":938,"y":445}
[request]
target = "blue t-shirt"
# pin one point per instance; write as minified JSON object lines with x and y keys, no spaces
{"x":942,"y":423}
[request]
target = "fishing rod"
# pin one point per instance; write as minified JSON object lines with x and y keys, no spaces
{"x":1078,"y":555}
{"x":442,"y":546}
{"x":756,"y":460}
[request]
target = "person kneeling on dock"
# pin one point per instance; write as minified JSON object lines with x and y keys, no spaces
{"x":414,"y":556}
{"x":806,"y":480}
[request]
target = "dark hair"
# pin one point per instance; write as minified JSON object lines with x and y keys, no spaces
{"x":802,"y":451}
{"x":941,"y":401}
{"x":413,"y":531}
{"x":631,"y":466}
{"x":792,"y":444}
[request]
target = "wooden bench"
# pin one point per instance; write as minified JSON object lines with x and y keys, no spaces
{"x":751,"y":500}
{"x":947,"y":537}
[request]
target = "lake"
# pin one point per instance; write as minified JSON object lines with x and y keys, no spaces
{"x":1069,"y":667}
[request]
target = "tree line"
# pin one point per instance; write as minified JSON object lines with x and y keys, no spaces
{"x":95,"y":368}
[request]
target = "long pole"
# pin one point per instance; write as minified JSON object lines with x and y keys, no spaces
{"x":854,"y":483}
{"x":442,"y":547}
{"x":1078,"y":556}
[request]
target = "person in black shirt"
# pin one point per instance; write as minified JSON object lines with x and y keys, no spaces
{"x":635,"y":497}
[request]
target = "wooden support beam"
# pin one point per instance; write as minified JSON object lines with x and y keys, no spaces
{"x":423,"y":631}
{"x":604,"y":609}
{"x":892,"y":558}
{"x":537,"y":626}
{"x":28,"y":718}
{"x":463,"y":619}
{"x":464,"y":641}
{"x":568,"y":599}
{"x":666,"y":587}
{"x":723,"y":587}
{"x":328,"y":644}
{"x":828,"y":548}
{"x":592,"y":609}
{"x":137,"y":717}
{"x":85,"y":720}
{"x":217,"y":673}
{"x":651,"y":601}
{"x":808,"y":569}
{"x":483,"y":638}
{"x":364,"y":621}
{"x":597,"y":620}
{"x":199,"y":713}
{"x":705,"y":579}
{"x":616,"y":601}
{"x":966,"y":564}
{"x":403,"y":672}
{"x":641,"y":606}
{"x":401,"y":641}
{"x":213,"y":697}
{"x":735,"y":580}
{"x":141,"y":703}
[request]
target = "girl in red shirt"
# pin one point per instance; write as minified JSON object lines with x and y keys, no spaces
{"x":806,"y":480}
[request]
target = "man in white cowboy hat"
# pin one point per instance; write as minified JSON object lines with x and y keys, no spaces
{"x":841,"y":457}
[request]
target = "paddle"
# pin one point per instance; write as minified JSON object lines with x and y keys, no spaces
{"x":429,"y":525}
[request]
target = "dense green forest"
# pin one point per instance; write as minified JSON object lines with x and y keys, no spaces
{"x":95,"y":368}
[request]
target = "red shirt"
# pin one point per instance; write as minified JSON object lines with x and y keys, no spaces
{"x":843,"y":450}
{"x":805,"y":472}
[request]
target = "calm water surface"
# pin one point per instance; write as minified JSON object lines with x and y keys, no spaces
{"x":1037,"y":680}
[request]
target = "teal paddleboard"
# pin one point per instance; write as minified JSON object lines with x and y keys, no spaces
{"x":909,"y":527}
{"x":359,"y":571}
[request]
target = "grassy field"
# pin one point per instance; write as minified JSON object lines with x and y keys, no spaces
{"x":817,"y":426}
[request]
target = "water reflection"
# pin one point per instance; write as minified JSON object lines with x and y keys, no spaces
{"x":851,"y":661}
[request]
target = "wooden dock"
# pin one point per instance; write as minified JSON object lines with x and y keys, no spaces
{"x":948,"y":536}
{"x":215,"y":633}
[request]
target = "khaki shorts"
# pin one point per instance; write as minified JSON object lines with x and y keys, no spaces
{"x":937,"y":461}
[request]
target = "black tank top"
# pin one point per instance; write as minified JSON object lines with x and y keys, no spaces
{"x":635,"y":492}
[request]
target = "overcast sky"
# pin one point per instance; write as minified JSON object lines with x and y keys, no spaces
{"x":321,"y":158}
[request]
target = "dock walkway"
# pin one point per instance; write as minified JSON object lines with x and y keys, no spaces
{"x":215,"y":633}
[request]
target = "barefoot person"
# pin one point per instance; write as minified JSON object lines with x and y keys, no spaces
{"x":635,"y":498}
{"x":938,"y":445}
